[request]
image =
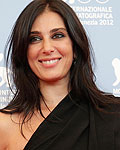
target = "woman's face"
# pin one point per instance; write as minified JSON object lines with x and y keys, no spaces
{"x":50,"y":52}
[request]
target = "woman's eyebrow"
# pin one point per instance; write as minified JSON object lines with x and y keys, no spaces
{"x":51,"y":31}
{"x":57,"y":29}
{"x":35,"y":32}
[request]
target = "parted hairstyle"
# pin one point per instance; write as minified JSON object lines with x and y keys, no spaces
{"x":82,"y":79}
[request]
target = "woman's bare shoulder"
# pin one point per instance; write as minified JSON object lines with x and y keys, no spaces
{"x":10,"y":133}
{"x":5,"y":121}
{"x":5,"y":125}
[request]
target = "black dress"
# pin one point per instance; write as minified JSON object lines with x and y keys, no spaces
{"x":73,"y":126}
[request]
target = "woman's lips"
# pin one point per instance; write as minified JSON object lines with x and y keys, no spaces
{"x":49,"y":62}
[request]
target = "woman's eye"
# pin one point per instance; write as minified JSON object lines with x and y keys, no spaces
{"x":35,"y":39}
{"x":58,"y":35}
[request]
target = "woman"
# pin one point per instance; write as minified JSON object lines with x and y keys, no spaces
{"x":56,"y":104}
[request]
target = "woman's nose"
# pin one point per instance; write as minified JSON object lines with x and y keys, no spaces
{"x":47,"y":47}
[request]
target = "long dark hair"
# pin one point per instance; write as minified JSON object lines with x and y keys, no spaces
{"x":82,"y":80}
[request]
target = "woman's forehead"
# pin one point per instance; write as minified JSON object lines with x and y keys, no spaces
{"x":48,"y":20}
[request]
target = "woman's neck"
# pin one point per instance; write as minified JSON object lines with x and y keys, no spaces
{"x":53,"y":92}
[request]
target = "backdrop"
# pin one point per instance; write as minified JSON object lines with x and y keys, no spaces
{"x":101,"y":21}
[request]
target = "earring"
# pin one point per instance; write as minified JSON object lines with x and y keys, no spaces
{"x":74,"y":61}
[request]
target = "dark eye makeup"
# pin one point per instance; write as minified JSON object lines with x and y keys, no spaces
{"x":34,"y":39}
{"x":58,"y":35}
